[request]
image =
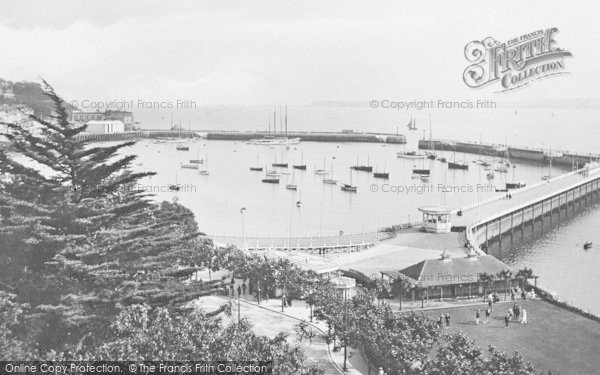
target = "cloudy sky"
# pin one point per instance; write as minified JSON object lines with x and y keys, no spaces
{"x":243,"y":52}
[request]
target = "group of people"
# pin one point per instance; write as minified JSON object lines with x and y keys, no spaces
{"x":230,"y":291}
{"x":516,"y":312}
{"x":444,"y":320}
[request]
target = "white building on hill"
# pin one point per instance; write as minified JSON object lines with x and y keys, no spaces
{"x":105,"y":127}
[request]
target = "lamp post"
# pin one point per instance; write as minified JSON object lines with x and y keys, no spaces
{"x":345,"y":328}
{"x":400,"y":293}
{"x":242,"y":211}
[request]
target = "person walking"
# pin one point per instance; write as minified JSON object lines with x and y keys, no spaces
{"x":441,"y":321}
{"x":488,"y":312}
{"x":239,"y":290}
{"x":517,"y":311}
{"x":244,"y":288}
{"x":510,"y":313}
{"x":524,"y":318}
{"x":506,"y":320}
{"x":477,"y":315}
{"x":447,"y":320}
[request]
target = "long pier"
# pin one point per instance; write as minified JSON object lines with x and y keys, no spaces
{"x":519,"y":209}
{"x":559,"y":158}
{"x":247,"y":135}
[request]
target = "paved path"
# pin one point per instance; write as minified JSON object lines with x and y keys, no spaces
{"x":268,"y":320}
{"x":318,"y":352}
{"x":500,"y":204}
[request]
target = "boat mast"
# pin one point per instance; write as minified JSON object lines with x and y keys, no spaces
{"x":275,"y":120}
{"x":286,"y":129}
{"x":430,"y":135}
{"x":280,"y":119}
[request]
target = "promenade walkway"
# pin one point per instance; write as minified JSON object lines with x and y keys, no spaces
{"x":331,"y":243}
{"x":268,"y":320}
{"x":500,"y":204}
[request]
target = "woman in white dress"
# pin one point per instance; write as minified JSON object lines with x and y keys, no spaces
{"x":524,"y":318}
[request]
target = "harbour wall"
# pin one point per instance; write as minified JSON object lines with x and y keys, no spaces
{"x":246,"y":136}
{"x":311,"y":136}
{"x":559,"y":158}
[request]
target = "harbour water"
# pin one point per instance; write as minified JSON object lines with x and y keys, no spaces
{"x":555,"y":254}
{"x":272,"y":210}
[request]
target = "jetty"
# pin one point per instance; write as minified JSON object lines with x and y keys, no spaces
{"x":525,"y":154}
{"x":242,"y":136}
{"x":517,"y":210}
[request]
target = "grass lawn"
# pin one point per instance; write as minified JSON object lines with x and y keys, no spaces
{"x":554,"y":339}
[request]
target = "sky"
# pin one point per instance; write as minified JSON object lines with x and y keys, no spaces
{"x":261,"y":52}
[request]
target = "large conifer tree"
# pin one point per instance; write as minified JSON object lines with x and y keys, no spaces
{"x":78,"y":240}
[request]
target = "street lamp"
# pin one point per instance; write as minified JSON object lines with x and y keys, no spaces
{"x":345,"y":368}
{"x":242,"y":211}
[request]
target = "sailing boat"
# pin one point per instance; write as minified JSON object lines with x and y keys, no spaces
{"x":280,"y":165}
{"x":180,"y":146}
{"x":456,"y":165}
{"x":421,"y":171}
{"x":270,"y":178}
{"x":321,"y":171}
{"x":197,"y":161}
{"x":330,"y":180}
{"x":257,"y":168}
{"x":301,"y":166}
{"x":293,"y":185}
{"x":515,"y":184}
{"x":349,"y":187}
{"x":176,"y":186}
{"x":204,"y":172}
{"x":431,"y":155}
{"x":549,"y":175}
{"x":383,"y":174}
{"x":364,"y":168}
{"x":412,"y":124}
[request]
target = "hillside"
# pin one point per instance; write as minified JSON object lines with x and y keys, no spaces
{"x":29,"y":93}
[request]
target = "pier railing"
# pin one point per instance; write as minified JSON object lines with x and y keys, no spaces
{"x":589,"y":175}
{"x":356,"y":241}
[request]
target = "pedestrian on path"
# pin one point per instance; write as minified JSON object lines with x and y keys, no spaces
{"x":441,"y":320}
{"x":506,"y":320}
{"x":239,"y":290}
{"x":477,"y":317}
{"x":488,"y":312}
{"x":244,"y":288}
{"x":524,"y":318}
{"x":517,"y":311}
{"x":447,"y":320}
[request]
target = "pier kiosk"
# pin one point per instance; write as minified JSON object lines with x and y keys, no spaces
{"x":436,"y":219}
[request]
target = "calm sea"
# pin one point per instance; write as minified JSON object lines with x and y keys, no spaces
{"x":555,"y":254}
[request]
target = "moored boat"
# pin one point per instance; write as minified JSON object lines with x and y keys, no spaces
{"x":457,"y":165}
{"x":410,"y":155}
{"x":421,"y":171}
{"x":515,"y":185}
{"x":189,"y":166}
